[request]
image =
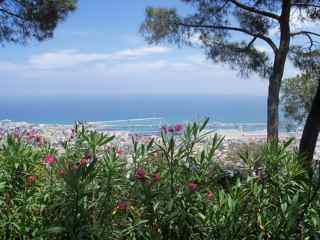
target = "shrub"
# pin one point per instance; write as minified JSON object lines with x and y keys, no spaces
{"x":167,"y":188}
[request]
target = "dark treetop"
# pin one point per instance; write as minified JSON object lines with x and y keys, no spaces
{"x":21,"y":20}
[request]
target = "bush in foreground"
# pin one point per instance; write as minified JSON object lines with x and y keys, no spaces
{"x":164,"y":189}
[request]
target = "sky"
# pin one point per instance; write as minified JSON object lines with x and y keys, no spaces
{"x":98,"y":51}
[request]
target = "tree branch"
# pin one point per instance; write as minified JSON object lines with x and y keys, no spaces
{"x":308,"y":35}
{"x":304,"y":33}
{"x":310,"y":40}
{"x":305,"y":5}
{"x":256,"y":35}
{"x":255,"y":10}
{"x":11,"y":13}
{"x":251,"y":42}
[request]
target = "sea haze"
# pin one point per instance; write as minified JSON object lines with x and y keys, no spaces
{"x":67,"y":109}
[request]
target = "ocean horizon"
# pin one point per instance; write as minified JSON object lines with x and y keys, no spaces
{"x":138,"y":113}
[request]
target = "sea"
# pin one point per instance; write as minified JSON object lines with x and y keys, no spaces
{"x":141,"y":113}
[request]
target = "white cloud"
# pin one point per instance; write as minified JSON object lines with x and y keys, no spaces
{"x":112,"y":73}
{"x":190,"y":63}
{"x":139,"y":52}
{"x":69,"y":58}
{"x":128,"y":68}
{"x":65,"y":58}
{"x":47,"y":64}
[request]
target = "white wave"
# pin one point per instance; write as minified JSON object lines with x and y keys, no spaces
{"x":126,"y":120}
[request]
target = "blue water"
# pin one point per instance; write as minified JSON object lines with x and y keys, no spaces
{"x":173,"y":108}
{"x":169,"y":109}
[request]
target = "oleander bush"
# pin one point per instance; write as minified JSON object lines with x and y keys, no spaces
{"x":168,"y":188}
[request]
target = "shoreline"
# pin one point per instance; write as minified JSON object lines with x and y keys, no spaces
{"x":220,"y":128}
{"x":56,"y":134}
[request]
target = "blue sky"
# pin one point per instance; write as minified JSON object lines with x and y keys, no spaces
{"x":98,"y":51}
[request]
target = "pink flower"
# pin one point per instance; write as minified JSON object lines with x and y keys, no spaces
{"x":87,"y":156}
{"x":61,"y":171}
{"x":156,"y":177}
{"x":140,"y":174}
{"x":178,"y":127}
{"x":31,"y":180}
{"x":209,"y":195}
{"x":120,"y":152}
{"x":49,"y":159}
{"x":192,"y":186}
{"x":83,"y":162}
{"x":123,"y":206}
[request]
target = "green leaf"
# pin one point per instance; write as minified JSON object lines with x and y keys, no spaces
{"x":2,"y":186}
{"x":204,"y":124}
{"x":56,"y":230}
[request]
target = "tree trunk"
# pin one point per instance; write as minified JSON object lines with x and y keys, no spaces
{"x":273,"y":99}
{"x":277,"y":73}
{"x":310,"y":133}
{"x":274,"y":93}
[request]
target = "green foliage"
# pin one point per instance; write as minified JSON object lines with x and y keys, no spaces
{"x":21,"y":206}
{"x":297,"y":95}
{"x":218,"y":25}
{"x":161,"y":25}
{"x":298,"y":92}
{"x":167,"y":188}
{"x":21,"y":20}
{"x":212,"y":23}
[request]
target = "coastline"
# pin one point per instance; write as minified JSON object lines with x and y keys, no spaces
{"x":57,"y":132}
